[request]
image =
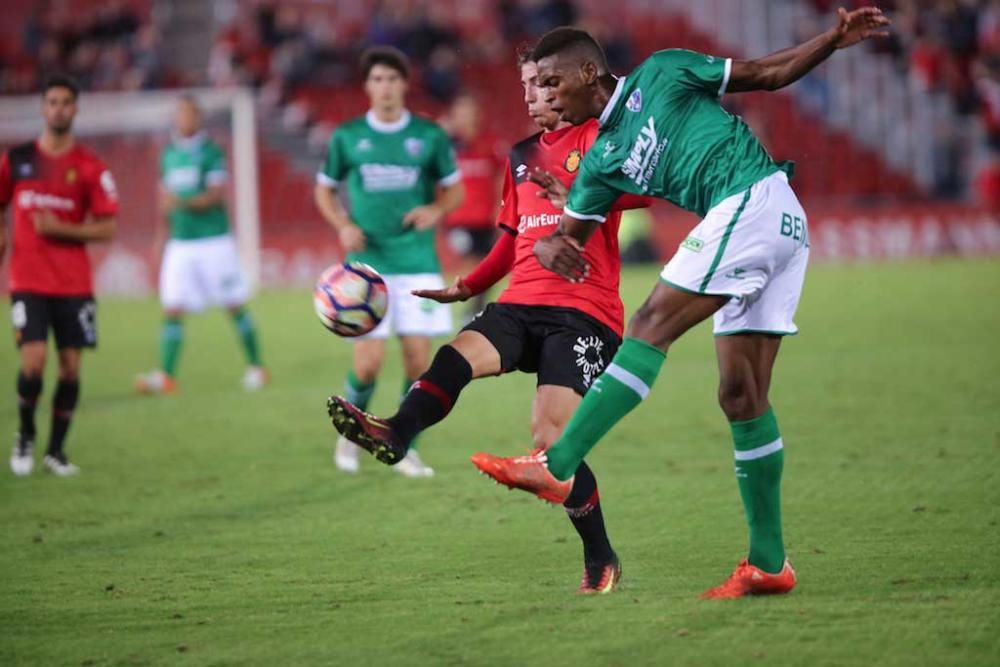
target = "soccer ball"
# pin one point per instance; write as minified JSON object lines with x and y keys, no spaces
{"x":350,"y":299}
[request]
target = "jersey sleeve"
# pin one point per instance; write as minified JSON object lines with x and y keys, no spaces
{"x":215,"y":167}
{"x":507,"y":215}
{"x":695,"y":71}
{"x":444,"y":164}
{"x":590,"y":197}
{"x":334,"y":167}
{"x":102,"y":191}
{"x":6,"y":181}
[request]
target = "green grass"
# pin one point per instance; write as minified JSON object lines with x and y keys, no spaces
{"x":211,"y":528}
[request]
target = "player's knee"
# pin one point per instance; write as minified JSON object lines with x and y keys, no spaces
{"x":738,"y":398}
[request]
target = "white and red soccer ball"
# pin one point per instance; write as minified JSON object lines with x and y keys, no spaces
{"x":350,"y":299}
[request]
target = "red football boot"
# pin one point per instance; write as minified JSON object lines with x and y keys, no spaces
{"x":527,"y":473}
{"x":750,"y":580}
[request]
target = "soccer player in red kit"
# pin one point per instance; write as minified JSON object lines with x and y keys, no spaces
{"x":541,"y":324}
{"x":63,"y":198}
{"x":470,"y":229}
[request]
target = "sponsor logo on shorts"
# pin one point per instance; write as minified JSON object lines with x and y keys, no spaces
{"x":737,"y":274}
{"x":588,"y":357}
{"x":693,"y":244}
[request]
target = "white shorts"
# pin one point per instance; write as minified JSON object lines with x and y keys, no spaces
{"x":754,"y":247}
{"x":410,"y":315}
{"x":201,"y":272}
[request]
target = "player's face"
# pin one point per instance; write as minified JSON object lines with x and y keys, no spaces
{"x":59,"y":109}
{"x":187,"y":119}
{"x":560,"y":82}
{"x":386,"y":87}
{"x":538,"y":108}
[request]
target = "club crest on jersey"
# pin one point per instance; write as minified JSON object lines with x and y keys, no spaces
{"x":71,"y":175}
{"x":634,"y":102}
{"x":573,"y":160}
{"x":414,"y":146}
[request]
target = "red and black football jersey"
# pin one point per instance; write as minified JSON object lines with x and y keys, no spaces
{"x":532,"y":217}
{"x":73,"y":186}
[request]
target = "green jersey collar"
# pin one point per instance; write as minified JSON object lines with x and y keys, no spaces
{"x":610,"y":106}
{"x":387,"y":128}
{"x":192,"y":143}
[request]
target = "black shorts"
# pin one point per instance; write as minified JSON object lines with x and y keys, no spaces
{"x":471,"y":241}
{"x":564,"y":346}
{"x":73,"y":319}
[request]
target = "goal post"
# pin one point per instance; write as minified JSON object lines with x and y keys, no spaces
{"x":127,"y":130}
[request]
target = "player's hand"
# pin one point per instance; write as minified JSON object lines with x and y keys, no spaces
{"x":457,"y":292}
{"x":351,"y":238}
{"x":46,"y":223}
{"x":423,"y":217}
{"x":553,"y":188}
{"x":169,"y":201}
{"x":563,"y":255}
{"x":859,"y":25}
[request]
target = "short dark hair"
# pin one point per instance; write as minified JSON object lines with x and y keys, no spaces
{"x":564,"y":39}
{"x":525,"y":54}
{"x":61,"y":81}
{"x":389,"y":56}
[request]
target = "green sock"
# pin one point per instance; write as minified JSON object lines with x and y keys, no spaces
{"x":622,"y":386}
{"x":358,"y":392}
{"x":248,"y":335}
{"x":171,"y":339}
{"x":760,"y":456}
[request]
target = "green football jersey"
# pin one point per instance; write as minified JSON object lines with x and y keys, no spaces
{"x":664,"y":134}
{"x":389,"y":169}
{"x":187,"y":168}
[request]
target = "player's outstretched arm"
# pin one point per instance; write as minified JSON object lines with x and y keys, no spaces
{"x":785,"y":67}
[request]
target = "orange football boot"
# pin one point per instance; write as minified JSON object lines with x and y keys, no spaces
{"x":747,"y":579}
{"x":603,"y":581}
{"x":528,"y":473}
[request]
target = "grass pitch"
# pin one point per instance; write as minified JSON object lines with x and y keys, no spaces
{"x":211,"y":528}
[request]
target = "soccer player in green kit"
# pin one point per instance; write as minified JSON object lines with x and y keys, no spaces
{"x":400,"y":175}
{"x":663,"y":133}
{"x":200,"y":264}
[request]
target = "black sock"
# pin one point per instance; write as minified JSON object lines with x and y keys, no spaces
{"x":28,"y":390}
{"x":583,"y":507}
{"x":63,"y":404}
{"x":432,"y":396}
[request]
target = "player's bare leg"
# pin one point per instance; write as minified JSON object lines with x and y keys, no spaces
{"x":745,"y":366}
{"x":550,"y":412}
{"x":429,"y":400}
{"x":29,"y":388}
{"x":64,"y":402}
{"x":163,"y":379}
{"x":665,"y":316}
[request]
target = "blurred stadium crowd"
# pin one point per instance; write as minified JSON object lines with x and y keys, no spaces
{"x":897,"y":155}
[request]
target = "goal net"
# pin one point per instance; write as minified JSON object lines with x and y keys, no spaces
{"x":128,"y":131}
